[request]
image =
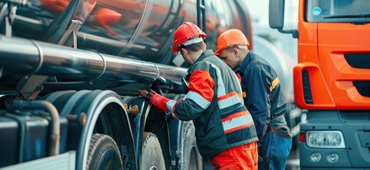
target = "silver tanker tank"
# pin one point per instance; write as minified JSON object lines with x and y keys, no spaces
{"x":136,"y":29}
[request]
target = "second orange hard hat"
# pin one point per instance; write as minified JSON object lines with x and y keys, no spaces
{"x":229,"y":38}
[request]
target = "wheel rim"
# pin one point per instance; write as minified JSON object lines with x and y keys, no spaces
{"x":109,"y":160}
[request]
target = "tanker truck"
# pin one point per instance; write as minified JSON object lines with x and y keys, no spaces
{"x":69,"y":75}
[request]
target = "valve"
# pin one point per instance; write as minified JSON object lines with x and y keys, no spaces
{"x":157,"y":83}
{"x":132,"y":109}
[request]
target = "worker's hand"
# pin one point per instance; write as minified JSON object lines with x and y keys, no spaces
{"x":155,"y":99}
{"x":145,"y":94}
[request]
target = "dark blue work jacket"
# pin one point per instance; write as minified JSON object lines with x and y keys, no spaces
{"x":263,"y":97}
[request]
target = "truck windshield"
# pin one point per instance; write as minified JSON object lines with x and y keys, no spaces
{"x":352,"y":11}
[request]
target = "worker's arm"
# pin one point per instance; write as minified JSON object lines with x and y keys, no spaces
{"x":198,"y":99}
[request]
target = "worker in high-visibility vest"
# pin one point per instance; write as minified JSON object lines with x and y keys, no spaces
{"x":224,"y":129}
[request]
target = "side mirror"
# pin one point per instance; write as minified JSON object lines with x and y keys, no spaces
{"x":276,"y":14}
{"x":276,"y":17}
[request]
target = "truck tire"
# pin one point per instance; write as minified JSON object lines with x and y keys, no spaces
{"x":103,"y":153}
{"x":191,"y":157}
{"x":151,"y":153}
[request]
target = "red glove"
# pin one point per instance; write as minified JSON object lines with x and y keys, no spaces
{"x":155,"y":99}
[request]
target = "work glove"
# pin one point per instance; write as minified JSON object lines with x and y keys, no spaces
{"x":155,"y":99}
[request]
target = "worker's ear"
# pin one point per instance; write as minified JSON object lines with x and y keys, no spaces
{"x":236,"y":51}
{"x":184,"y":52}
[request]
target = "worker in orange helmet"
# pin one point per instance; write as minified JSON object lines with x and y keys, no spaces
{"x":263,"y":98}
{"x":224,"y":129}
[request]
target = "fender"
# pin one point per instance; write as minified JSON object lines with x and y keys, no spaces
{"x":99,"y":100}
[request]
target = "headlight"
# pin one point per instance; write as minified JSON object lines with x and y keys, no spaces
{"x":325,"y":139}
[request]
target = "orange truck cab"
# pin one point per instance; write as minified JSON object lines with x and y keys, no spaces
{"x":331,"y":81}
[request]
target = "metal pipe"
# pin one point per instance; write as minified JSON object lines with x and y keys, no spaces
{"x":33,"y":57}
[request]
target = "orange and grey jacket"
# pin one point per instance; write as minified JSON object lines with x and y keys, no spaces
{"x":264,"y":99}
{"x":215,"y":104}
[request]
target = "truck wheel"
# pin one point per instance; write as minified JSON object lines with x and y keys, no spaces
{"x":191,"y":157}
{"x":151,"y":153}
{"x":103,"y":153}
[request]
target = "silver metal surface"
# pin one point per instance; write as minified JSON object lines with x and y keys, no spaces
{"x":32,"y":57}
{"x":65,"y":161}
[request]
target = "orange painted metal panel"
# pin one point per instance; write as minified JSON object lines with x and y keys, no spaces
{"x":321,"y":51}
{"x":334,"y":41}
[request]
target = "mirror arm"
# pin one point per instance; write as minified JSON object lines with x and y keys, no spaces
{"x":293,"y":32}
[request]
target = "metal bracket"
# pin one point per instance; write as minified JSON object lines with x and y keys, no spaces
{"x":72,"y":29}
{"x":11,"y":6}
{"x":31,"y":86}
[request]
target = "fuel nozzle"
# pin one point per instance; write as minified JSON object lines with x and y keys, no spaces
{"x":157,"y":82}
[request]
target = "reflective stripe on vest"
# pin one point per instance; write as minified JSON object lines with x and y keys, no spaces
{"x":237,"y":121}
{"x":170,"y":106}
{"x":201,"y":101}
{"x":229,"y":100}
{"x":274,"y":83}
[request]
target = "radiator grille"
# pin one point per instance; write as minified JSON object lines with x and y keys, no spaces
{"x":363,"y":87}
{"x":361,"y":61}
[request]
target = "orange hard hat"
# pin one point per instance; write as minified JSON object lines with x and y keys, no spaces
{"x":186,"y":30}
{"x":229,"y":38}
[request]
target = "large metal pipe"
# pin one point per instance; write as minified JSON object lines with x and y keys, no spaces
{"x":33,"y":57}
